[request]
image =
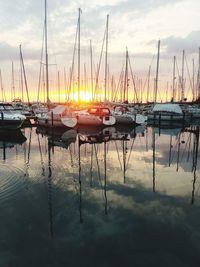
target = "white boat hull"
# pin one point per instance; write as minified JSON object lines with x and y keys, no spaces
{"x":92,"y":120}
{"x":62,"y":122}
{"x":11,"y":120}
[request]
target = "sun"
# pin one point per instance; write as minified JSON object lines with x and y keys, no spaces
{"x":83,"y":96}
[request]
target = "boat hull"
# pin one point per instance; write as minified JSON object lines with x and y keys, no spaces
{"x":130,"y":119}
{"x":60,"y":123}
{"x":6,"y":124}
{"x":90,"y":120}
{"x":166,"y":119}
{"x":121,"y":119}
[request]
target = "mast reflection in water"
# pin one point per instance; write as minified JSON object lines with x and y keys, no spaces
{"x":79,"y":197}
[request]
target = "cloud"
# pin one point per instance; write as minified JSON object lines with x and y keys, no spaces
{"x":190,"y":43}
{"x":9,"y":52}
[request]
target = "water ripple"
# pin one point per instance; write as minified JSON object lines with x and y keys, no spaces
{"x":11,"y":182}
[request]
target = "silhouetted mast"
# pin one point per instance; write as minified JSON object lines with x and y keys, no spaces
{"x":79,"y":51}
{"x":157,"y":69}
{"x":198,"y":78}
{"x":125,"y":97}
{"x":148,"y":83}
{"x":173,"y":79}
{"x":182,"y":77}
{"x":106,"y":60}
{"x":13,"y":81}
{"x":91,"y":69}
{"x":24,"y":73}
{"x":46,"y":54}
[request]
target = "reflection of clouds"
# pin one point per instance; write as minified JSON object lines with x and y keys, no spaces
{"x":139,"y":222}
{"x":181,"y":154}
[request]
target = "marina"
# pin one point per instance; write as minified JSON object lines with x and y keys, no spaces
{"x":99,"y":133}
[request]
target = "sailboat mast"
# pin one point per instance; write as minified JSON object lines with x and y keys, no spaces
{"x":182,"y":78}
{"x":21,"y":81}
{"x":13,"y":81}
{"x":58,"y":87}
{"x":46,"y":54}
{"x":126,"y":78}
{"x":157,"y":69}
{"x":91,"y":69}
{"x":173,"y":80}
{"x":79,"y":51}
{"x":2,"y":93}
{"x":24,"y":73}
{"x":198,"y":78}
{"x":106,"y":60}
{"x":193,"y":89}
{"x":148,"y":83}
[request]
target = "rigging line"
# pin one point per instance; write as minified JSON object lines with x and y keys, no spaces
{"x":40,"y":71}
{"x":190,"y":80}
{"x":145,"y":82}
{"x":99,"y":65}
{"x":133,"y":80}
{"x":147,"y":76}
{"x":24,"y":72}
{"x":144,"y":85}
{"x":177,"y":68}
{"x":52,"y":35}
{"x":178,"y":81}
{"x":73,"y":59}
{"x":119,"y":82}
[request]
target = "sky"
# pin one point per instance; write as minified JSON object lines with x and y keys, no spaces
{"x":135,"y":24}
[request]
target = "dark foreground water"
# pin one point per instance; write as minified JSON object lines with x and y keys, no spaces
{"x":112,"y":197}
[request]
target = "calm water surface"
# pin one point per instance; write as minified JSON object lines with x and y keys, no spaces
{"x":108,"y":197}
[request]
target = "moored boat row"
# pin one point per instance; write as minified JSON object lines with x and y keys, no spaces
{"x":98,"y":115}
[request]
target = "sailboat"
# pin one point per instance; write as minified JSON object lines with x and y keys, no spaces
{"x":121,"y":112}
{"x":59,"y":116}
{"x":166,"y":114}
{"x":95,"y":116}
{"x":9,"y":118}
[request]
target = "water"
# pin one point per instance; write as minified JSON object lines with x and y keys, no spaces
{"x":100,"y":198}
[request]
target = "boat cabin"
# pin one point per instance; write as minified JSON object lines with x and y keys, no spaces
{"x":99,"y":111}
{"x":6,"y":107}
